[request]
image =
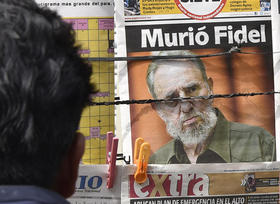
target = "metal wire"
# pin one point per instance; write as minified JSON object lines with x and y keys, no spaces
{"x":234,"y":49}
{"x":213,"y":96}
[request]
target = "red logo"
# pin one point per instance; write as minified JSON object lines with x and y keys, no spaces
{"x":201,"y":9}
{"x":159,"y":185}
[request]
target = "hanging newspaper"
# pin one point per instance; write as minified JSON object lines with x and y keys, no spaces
{"x":91,"y":186}
{"x":227,"y":50}
{"x":276,"y":60}
{"x":246,"y":183}
{"x":93,"y":24}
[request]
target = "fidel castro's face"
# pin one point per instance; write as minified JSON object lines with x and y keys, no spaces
{"x":182,"y":79}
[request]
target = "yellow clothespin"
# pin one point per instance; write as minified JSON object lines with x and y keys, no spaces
{"x":142,"y":152}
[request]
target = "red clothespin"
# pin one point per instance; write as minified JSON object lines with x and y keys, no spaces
{"x":142,"y":152}
{"x":111,"y":148}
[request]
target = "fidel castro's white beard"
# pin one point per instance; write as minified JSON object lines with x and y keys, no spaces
{"x":195,"y":133}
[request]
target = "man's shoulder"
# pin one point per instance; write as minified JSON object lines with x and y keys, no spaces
{"x":251,"y":143}
{"x":240,"y":128}
{"x":237,"y":129}
{"x":21,"y":194}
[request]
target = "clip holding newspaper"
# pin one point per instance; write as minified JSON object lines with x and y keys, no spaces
{"x":235,"y":40}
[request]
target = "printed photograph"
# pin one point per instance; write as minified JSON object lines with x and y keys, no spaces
{"x":225,"y":129}
{"x":131,"y":7}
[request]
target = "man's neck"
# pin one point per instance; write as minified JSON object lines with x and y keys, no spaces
{"x":193,"y":151}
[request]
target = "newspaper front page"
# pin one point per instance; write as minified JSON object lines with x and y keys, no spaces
{"x":93,"y":24}
{"x":246,"y":183}
{"x":230,"y":43}
{"x":91,"y":186}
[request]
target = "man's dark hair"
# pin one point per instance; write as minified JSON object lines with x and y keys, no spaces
{"x":44,"y":85}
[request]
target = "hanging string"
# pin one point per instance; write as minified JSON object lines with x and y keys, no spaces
{"x":213,"y":96}
{"x":141,"y":58}
{"x":234,"y":49}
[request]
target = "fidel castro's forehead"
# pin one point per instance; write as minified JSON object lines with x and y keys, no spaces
{"x":173,"y":75}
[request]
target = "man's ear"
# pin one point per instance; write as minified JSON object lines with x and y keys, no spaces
{"x":210,"y":83}
{"x":154,"y":106}
{"x":68,"y":173}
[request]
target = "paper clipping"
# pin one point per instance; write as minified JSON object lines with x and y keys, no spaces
{"x":246,"y":183}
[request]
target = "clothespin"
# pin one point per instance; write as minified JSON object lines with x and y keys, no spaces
{"x":142,"y":152}
{"x":111,"y":148}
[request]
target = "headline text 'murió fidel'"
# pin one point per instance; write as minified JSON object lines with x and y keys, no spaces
{"x":222,"y":34}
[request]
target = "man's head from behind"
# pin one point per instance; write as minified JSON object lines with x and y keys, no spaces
{"x":44,"y":85}
{"x":192,"y":120}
